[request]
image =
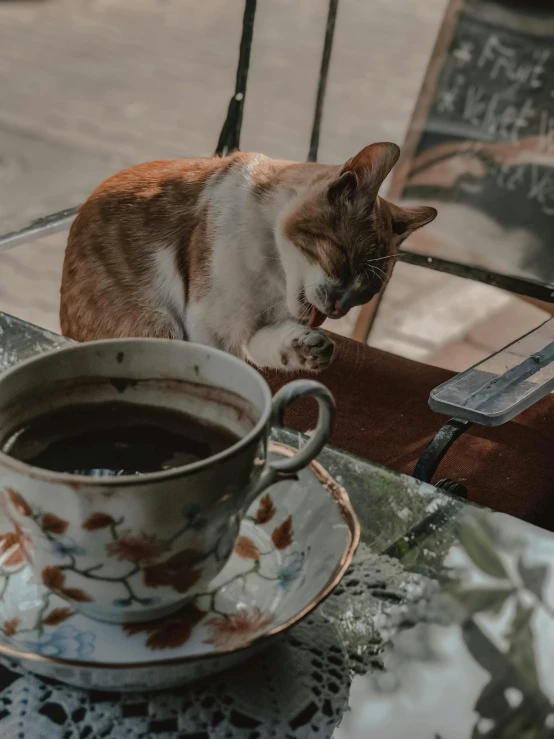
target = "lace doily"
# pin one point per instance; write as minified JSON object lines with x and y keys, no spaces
{"x":298,"y":688}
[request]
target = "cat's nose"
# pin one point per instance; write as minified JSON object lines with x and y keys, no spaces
{"x":340,"y":304}
{"x":338,"y":310}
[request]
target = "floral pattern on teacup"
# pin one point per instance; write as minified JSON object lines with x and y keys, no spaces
{"x":143,"y":551}
{"x":236,"y":629}
{"x":13,"y":545}
{"x":291,"y":571}
{"x":137,"y":547}
{"x":266,"y":510}
{"x":66,"y":641}
{"x":172,"y":631}
{"x":274,"y":559}
{"x":54,"y":579}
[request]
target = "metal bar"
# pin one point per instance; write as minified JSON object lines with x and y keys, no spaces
{"x":424,"y":102}
{"x":323,"y":74}
{"x":50,"y":224}
{"x":229,"y":138}
{"x":519,"y":285}
{"x":446,"y":510}
{"x":437,"y":448}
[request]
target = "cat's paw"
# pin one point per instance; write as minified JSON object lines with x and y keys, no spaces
{"x":311,"y":350}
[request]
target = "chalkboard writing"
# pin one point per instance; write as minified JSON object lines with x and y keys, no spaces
{"x":486,"y":147}
{"x":496,"y":86}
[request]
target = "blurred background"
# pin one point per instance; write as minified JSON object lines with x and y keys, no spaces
{"x":88,"y":87}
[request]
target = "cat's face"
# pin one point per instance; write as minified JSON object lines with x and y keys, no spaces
{"x":340,"y":239}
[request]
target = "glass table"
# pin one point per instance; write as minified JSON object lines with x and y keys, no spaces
{"x":443,"y":628}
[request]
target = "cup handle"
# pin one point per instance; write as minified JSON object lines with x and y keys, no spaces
{"x":283,"y":398}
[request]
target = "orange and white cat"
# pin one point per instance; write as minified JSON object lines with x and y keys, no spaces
{"x":244,"y":253}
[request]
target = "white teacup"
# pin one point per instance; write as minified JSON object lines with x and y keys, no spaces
{"x":132,"y":548}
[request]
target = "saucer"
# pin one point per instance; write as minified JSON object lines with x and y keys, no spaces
{"x":294,"y":546}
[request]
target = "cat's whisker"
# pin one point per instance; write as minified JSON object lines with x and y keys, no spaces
{"x":367,"y":271}
{"x":375,"y":271}
{"x":266,"y":310}
{"x":380,"y":259}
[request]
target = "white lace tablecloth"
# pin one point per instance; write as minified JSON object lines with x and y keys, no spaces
{"x":298,"y":688}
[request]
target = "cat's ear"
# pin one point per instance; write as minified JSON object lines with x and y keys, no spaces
{"x":407,"y":220}
{"x":344,"y":188}
{"x":371,"y":165}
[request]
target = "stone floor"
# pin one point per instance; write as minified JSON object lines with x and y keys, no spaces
{"x":91,"y":86}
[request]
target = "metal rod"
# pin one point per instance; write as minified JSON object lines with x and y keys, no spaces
{"x":437,"y":448}
{"x":323,"y":74}
{"x":50,"y":224}
{"x":445,"y":511}
{"x":519,"y":285}
{"x":229,"y":138}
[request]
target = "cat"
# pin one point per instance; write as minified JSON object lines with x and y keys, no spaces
{"x":244,"y":253}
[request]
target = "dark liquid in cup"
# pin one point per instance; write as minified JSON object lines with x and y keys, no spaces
{"x":115,"y":438}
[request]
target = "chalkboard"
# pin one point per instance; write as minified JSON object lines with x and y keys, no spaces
{"x":481,"y":143}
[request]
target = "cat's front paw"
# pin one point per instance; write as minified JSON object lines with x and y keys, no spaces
{"x":311,"y":350}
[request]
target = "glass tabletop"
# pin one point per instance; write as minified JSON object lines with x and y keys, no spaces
{"x":442,"y":627}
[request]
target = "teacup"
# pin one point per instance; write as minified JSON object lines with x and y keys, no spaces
{"x":136,"y":547}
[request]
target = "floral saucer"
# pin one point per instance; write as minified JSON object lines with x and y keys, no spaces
{"x":294,"y":546}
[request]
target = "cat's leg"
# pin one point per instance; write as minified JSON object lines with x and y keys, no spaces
{"x":290,"y":346}
{"x":197,"y":327}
